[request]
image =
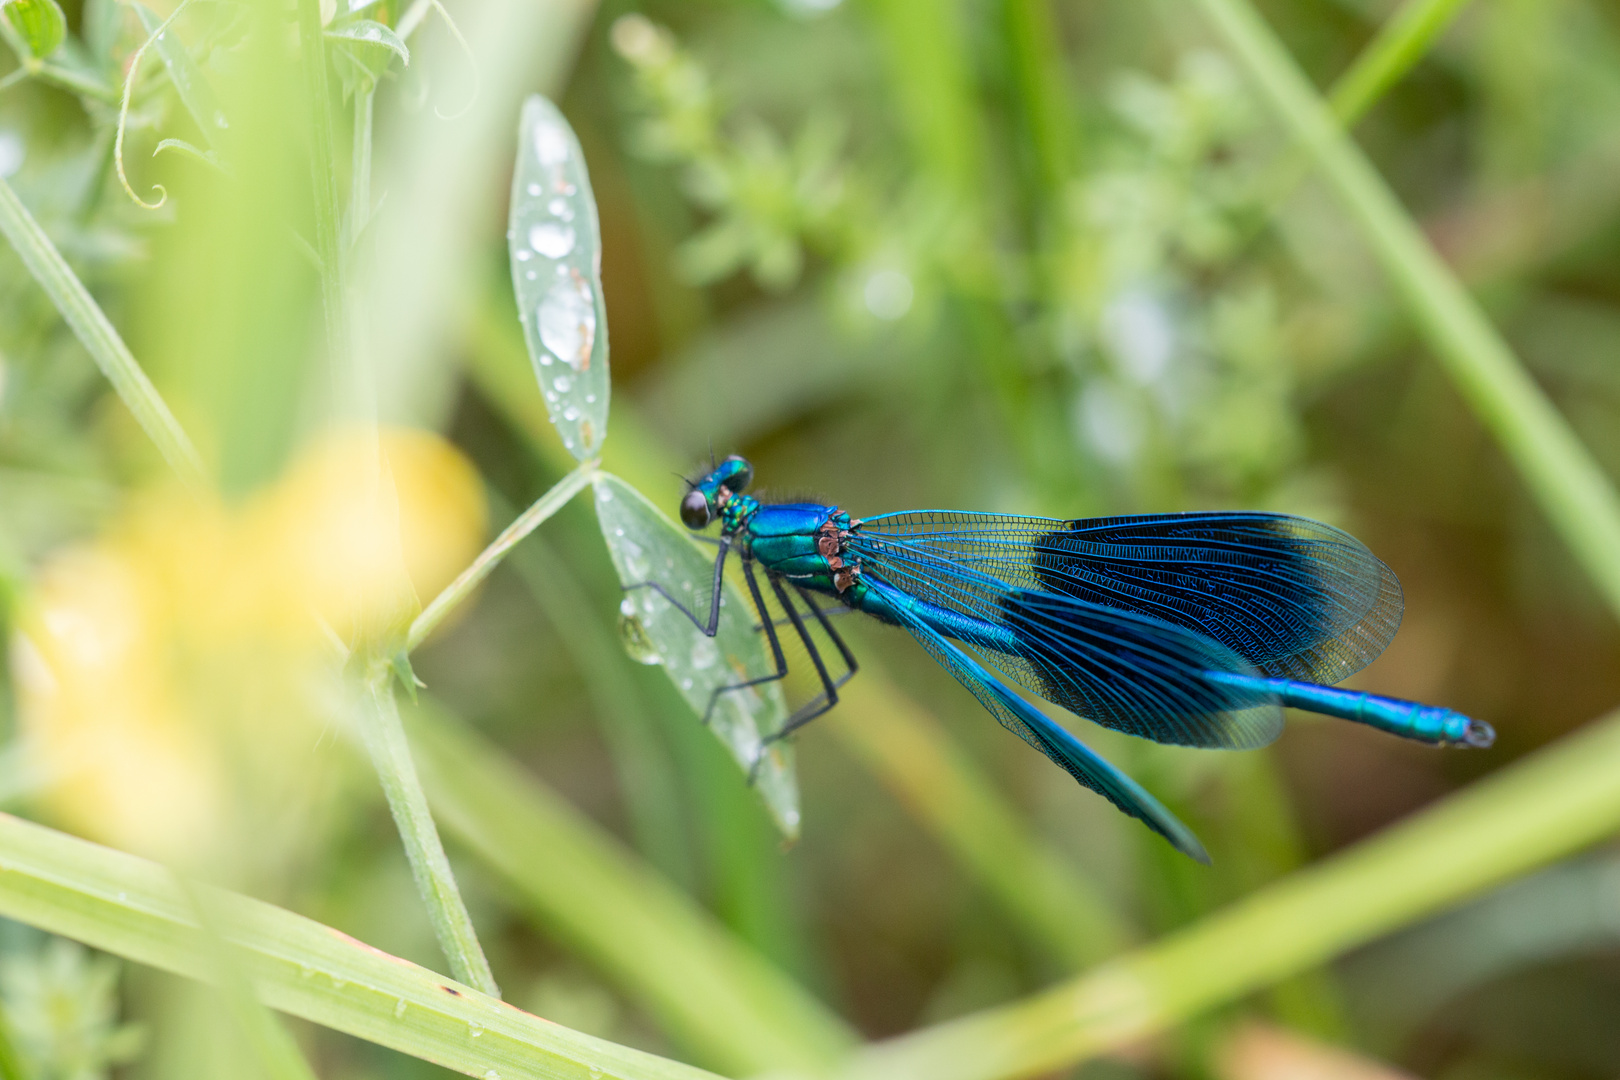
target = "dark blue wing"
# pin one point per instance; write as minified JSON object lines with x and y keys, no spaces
{"x":1047,"y":736}
{"x":1295,"y":598}
{"x":1125,"y":671}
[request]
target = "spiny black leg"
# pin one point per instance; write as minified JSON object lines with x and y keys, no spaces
{"x":829,"y":686}
{"x":838,"y":642}
{"x":770,"y":633}
{"x":714,"y":597}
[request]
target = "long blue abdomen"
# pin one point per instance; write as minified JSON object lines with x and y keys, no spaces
{"x":1409,"y":719}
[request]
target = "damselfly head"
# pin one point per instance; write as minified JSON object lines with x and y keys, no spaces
{"x":731,"y":477}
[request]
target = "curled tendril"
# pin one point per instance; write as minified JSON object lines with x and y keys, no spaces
{"x":123,"y":113}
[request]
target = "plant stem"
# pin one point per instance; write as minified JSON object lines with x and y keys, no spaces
{"x":360,"y":172}
{"x":131,"y":908}
{"x":92,"y":327}
{"x":1573,"y":491}
{"x":1543,"y":807}
{"x":323,"y":167}
{"x":1403,"y":40}
{"x":391,"y":756}
{"x":459,"y":589}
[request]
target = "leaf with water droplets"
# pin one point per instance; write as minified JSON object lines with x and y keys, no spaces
{"x":556,"y":254}
{"x":193,"y":87}
{"x":645,"y":546}
{"x":40,"y":24}
{"x":369,"y":32}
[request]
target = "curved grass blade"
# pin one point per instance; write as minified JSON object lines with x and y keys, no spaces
{"x":556,"y":254}
{"x":647,"y":546}
{"x":133,"y":908}
{"x":371,"y":32}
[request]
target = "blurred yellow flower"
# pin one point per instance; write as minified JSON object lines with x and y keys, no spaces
{"x":174,"y":675}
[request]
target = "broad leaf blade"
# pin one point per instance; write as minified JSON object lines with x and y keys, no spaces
{"x":556,"y":254}
{"x":647,"y":546}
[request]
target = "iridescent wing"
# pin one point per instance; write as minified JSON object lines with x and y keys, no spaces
{"x":1295,"y":598}
{"x":1047,"y":736}
{"x":1130,"y":672}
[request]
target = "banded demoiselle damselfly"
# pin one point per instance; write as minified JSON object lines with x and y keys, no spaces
{"x":1192,"y":629}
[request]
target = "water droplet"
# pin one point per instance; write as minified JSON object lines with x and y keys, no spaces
{"x":633,"y":636}
{"x":474,"y":1030}
{"x":522,"y":254}
{"x":338,"y":984}
{"x":220,"y":121}
{"x":492,"y":1075}
{"x":568,"y":322}
{"x":888,"y":294}
{"x":552,"y":240}
{"x":704,"y":653}
{"x":533,"y":190}
{"x":607,"y":496}
{"x":550,"y":144}
{"x":562,"y":383}
{"x":399,"y":1008}
{"x":569,"y":189}
{"x":305,"y":971}
{"x":545,"y":359}
{"x":560,"y":209}
{"x":590,"y":399}
{"x":529,"y":275}
{"x":686,"y":684}
{"x":551,"y":397}
{"x":123,"y":897}
{"x":596,"y":1072}
{"x":616,"y":532}
{"x":570,"y":414}
{"x":568,"y":444}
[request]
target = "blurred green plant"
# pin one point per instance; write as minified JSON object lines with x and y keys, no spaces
{"x":1081,"y":277}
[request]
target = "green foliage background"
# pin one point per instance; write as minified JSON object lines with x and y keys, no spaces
{"x":1350,"y":259}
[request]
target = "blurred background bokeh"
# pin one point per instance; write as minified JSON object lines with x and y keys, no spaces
{"x":1036,"y":256}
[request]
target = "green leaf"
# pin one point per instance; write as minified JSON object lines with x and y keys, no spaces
{"x":556,"y":255}
{"x":196,"y":94}
{"x":40,"y":22}
{"x":370,"y":33}
{"x":133,"y":908}
{"x":647,"y":546}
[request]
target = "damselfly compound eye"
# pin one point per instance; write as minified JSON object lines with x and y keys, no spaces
{"x":741,"y":477}
{"x":695,"y":510}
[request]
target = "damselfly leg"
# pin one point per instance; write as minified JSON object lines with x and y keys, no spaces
{"x":712,"y":627}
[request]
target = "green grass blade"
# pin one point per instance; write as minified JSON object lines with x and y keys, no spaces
{"x":1541,"y":808}
{"x":132,"y":908}
{"x":703,"y":985}
{"x":1400,"y":44}
{"x":92,"y":327}
{"x":384,"y":735}
{"x":1572,"y":489}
